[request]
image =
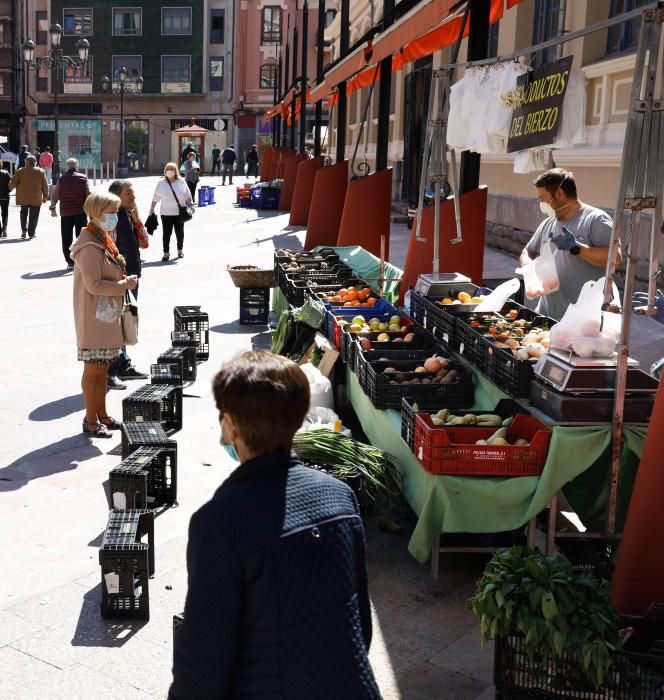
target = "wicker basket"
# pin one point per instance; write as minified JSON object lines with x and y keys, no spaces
{"x":250,"y":276}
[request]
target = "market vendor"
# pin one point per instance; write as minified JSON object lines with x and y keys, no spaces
{"x":581,"y":234}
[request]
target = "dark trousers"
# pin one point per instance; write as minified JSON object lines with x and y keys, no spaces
{"x":69,"y":225}
{"x":122,"y":362}
{"x":252,"y":168}
{"x":169,"y":223}
{"x":29,"y":219}
{"x":216,"y":165}
{"x":192,"y":188}
{"x":4,"y":209}
{"x":226,"y":169}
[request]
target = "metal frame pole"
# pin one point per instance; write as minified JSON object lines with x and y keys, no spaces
{"x":342,"y":100}
{"x":286,"y":73}
{"x":304,"y":78}
{"x":56,"y":119}
{"x":384,"y":97}
{"x":318,"y":119}
{"x":294,"y":80}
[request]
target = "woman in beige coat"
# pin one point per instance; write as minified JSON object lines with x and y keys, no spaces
{"x":99,"y":286}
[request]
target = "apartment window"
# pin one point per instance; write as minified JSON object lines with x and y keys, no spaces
{"x":78,"y":79}
{"x":133,"y":64}
{"x":547,"y":13}
{"x":41,"y":22}
{"x":624,"y":37}
{"x":175,"y":73}
{"x":77,"y":21}
{"x":329,"y":17}
{"x":127,"y":21}
{"x":42,"y":81}
{"x":271,"y":25}
{"x":216,"y":74}
{"x":493,"y":39}
{"x":268,"y":74}
{"x":217,"y":26}
{"x":176,"y":20}
{"x":5,"y":84}
{"x":4,"y":33}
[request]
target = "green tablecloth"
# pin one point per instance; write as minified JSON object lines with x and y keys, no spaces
{"x":481,"y":505}
{"x":279,"y":302}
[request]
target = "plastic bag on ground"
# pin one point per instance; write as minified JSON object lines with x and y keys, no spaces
{"x":323,"y":418}
{"x":320,"y":387}
{"x":540,"y":277}
{"x":496,"y":300}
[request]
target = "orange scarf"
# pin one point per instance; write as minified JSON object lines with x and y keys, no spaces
{"x":104,"y":237}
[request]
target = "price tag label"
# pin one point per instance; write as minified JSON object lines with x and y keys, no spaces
{"x":112,"y":581}
{"x":119,"y":501}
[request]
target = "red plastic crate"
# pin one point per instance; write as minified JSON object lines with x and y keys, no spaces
{"x":242,"y":193}
{"x":452,"y":450}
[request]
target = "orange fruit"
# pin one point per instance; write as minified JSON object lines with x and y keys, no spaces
{"x":335,"y":299}
{"x":352,"y":296}
{"x":352,"y":289}
{"x":371,"y":301}
{"x":347,"y":303}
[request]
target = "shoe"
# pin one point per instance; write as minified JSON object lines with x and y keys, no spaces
{"x":70,"y":264}
{"x":180,"y":254}
{"x":165,"y":257}
{"x":132,"y":373}
{"x":24,"y":234}
{"x":34,"y":235}
{"x":109,"y":423}
{"x":96,"y":430}
{"x":115,"y":383}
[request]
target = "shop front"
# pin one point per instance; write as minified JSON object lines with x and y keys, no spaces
{"x":78,"y":138}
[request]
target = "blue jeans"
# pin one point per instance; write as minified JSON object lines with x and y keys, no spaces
{"x":122,"y":362}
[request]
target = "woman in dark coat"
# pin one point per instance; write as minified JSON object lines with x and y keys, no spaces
{"x":278,"y":604}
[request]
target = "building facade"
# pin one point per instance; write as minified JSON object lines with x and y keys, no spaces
{"x":182,"y":50}
{"x":264,"y":28}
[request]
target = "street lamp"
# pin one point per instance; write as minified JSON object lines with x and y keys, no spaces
{"x":125,"y":87}
{"x":55,"y":61}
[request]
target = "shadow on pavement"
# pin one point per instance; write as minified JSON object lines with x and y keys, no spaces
{"x":12,"y":240}
{"x":61,"y":456}
{"x":234,"y":327}
{"x":45,"y":275}
{"x":58,"y":409}
{"x":93,"y":631}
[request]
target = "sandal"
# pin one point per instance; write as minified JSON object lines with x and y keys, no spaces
{"x":109,"y":423}
{"x":96,"y":430}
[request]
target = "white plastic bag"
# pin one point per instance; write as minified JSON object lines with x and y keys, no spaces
{"x":320,"y":387}
{"x":540,"y":277}
{"x":496,"y":300}
{"x":322,"y":418}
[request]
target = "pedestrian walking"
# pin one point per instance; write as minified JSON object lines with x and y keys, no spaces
{"x":71,"y":190}
{"x":172,"y":195}
{"x":31,"y":192}
{"x":5,"y":179}
{"x":22,"y":155}
{"x":46,"y":162}
{"x":228,"y":160}
{"x":191,"y":174}
{"x":100,"y":282}
{"x":278,"y":602}
{"x":251,"y":159}
{"x":216,"y":159}
{"x":189,"y":148}
{"x":127,"y":236}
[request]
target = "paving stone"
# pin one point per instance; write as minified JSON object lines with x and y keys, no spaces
{"x":466,"y":655}
{"x":13,"y":627}
{"x":428,"y":681}
{"x":17,"y":667}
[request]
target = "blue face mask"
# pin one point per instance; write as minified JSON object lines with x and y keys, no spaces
{"x":109,"y":222}
{"x":230,"y":449}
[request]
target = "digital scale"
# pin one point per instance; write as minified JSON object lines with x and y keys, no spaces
{"x":437,"y":284}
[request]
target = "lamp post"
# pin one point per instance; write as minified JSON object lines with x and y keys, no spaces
{"x":55,"y":61}
{"x":124,"y":87}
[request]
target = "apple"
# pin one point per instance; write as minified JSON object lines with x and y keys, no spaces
{"x":398,"y":340}
{"x":383,"y":327}
{"x":383,"y":338}
{"x":395,"y":320}
{"x":374,"y":320}
{"x":355,"y":328}
{"x":359,"y":319}
{"x":365,"y":344}
{"x":395,"y":328}
{"x":409,"y":337}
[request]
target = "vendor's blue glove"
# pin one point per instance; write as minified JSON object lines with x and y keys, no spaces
{"x":565,"y":240}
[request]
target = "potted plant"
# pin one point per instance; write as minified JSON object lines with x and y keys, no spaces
{"x":556,"y":631}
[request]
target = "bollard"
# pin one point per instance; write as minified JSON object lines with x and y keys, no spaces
{"x":202,"y":196}
{"x":210,"y":194}
{"x":94,"y":174}
{"x":114,"y":170}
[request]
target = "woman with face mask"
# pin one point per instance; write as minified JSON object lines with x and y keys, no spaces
{"x":99,"y":286}
{"x":171,"y":193}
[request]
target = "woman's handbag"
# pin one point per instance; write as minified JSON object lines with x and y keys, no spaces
{"x":129,"y":319}
{"x":108,"y":309}
{"x":185,"y":212}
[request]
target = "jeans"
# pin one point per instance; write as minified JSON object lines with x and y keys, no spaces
{"x":49,"y":174}
{"x":29,"y":219}
{"x":122,"y":362}
{"x":216,"y":165}
{"x":252,"y":168}
{"x":4,"y":209}
{"x":226,"y":170}
{"x":169,"y":223}
{"x":192,"y":188}
{"x":69,"y":224}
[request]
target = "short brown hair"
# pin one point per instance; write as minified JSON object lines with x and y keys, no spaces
{"x":268,"y":397}
{"x":556,"y":178}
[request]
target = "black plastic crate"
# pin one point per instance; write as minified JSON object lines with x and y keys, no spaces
{"x":191,"y":318}
{"x":127,"y":563}
{"x":128,"y":484}
{"x":259,"y":296}
{"x":296,"y":286}
{"x":161,"y":467}
{"x":166,"y":373}
{"x":183,"y":339}
{"x":385,"y":395}
{"x":254,"y":315}
{"x":505,"y":408}
{"x":185,"y":358}
{"x":178,"y":619}
{"x":309,"y":265}
{"x":519,"y":297}
{"x":328,"y":256}
{"x":595,"y":555}
{"x":517,"y":676}
{"x":155,"y":403}
{"x":135,"y":435}
{"x":350,"y":343}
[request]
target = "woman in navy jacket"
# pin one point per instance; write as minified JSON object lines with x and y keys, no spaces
{"x":278,"y":603}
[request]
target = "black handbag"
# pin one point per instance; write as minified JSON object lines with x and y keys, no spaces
{"x":185,"y":214}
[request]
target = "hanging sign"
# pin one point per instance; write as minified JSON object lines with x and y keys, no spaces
{"x":538,"y":105}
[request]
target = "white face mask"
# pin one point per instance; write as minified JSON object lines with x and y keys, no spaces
{"x":170,"y":174}
{"x":547,"y":209}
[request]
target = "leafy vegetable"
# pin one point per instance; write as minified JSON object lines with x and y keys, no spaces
{"x":558,"y":612}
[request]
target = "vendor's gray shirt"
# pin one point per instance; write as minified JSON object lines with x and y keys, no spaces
{"x":590,"y":226}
